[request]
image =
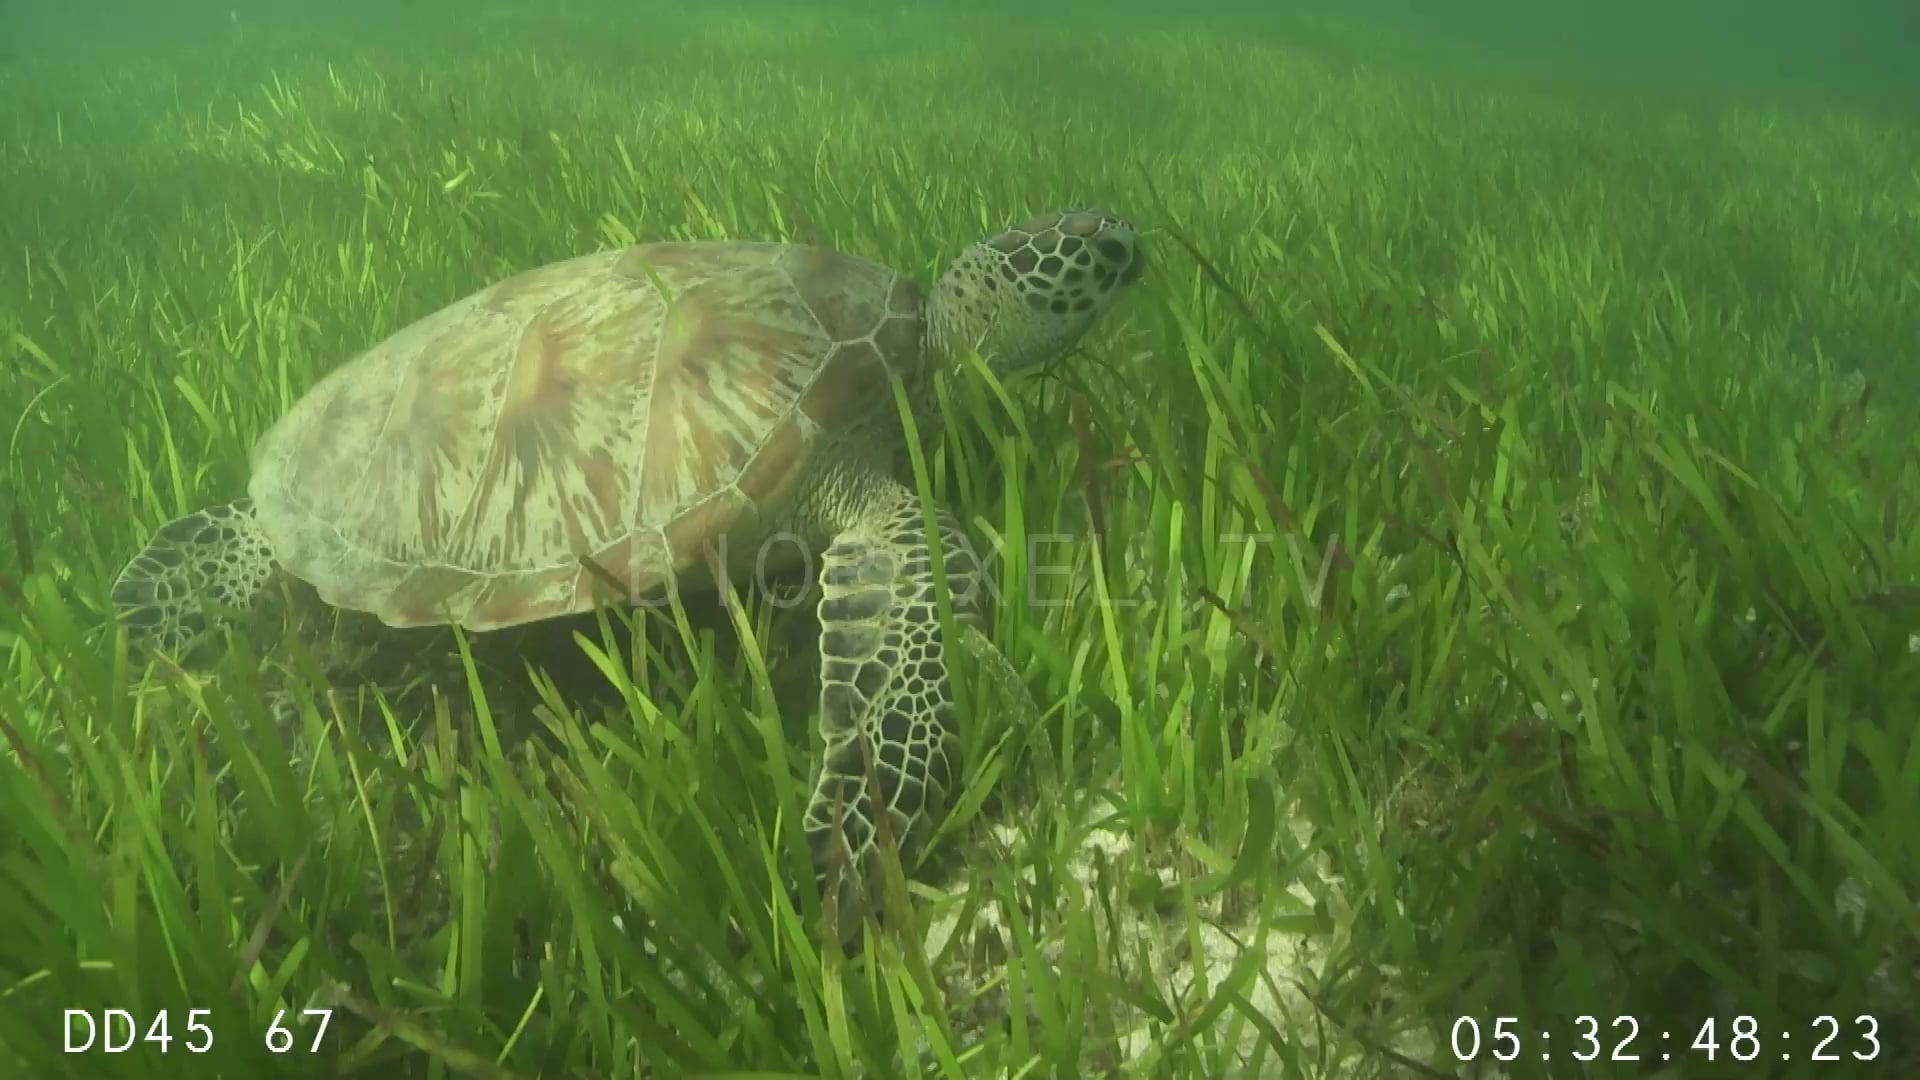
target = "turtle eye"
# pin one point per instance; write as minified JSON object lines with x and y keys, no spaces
{"x":1122,"y":255}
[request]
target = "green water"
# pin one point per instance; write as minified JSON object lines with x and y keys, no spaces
{"x":1475,"y":573}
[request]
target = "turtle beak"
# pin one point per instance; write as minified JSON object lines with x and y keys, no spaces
{"x":1138,"y":267}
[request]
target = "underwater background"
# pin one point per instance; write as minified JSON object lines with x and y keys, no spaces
{"x":1470,"y":587}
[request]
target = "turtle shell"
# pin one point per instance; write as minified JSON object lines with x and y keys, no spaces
{"x":629,"y":407}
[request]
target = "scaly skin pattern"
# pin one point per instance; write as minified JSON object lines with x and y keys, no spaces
{"x":886,"y":702}
{"x":886,"y":696}
{"x":636,"y":410}
{"x":217,"y":555}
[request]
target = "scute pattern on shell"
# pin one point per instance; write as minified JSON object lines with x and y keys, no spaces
{"x":461,"y":469}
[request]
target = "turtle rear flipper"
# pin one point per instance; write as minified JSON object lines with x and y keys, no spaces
{"x":217,"y":555}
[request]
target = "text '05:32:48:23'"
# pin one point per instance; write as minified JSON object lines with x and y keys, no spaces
{"x":1627,"y":1038}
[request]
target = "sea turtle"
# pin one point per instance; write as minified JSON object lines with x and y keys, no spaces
{"x":640,"y":409}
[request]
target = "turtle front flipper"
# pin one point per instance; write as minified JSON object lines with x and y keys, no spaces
{"x":217,"y":555}
{"x":886,"y":695}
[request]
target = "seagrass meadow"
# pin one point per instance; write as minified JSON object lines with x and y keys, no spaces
{"x":1475,"y":574}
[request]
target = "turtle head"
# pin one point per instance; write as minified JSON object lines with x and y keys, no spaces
{"x":1028,"y":293}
